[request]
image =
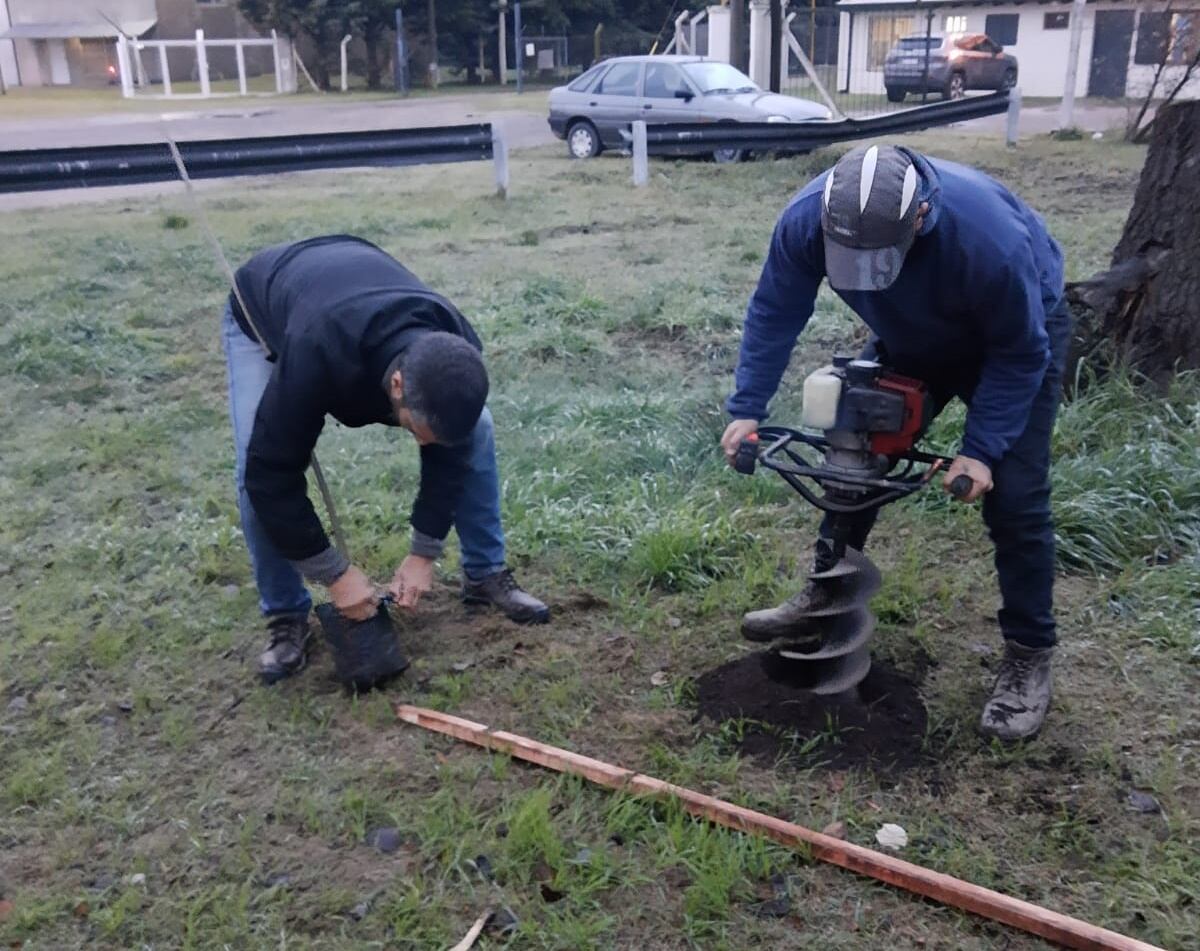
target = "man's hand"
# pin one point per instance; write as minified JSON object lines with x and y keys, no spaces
{"x":735,"y":432}
{"x":413,"y":578}
{"x":979,"y":474}
{"x":354,"y":595}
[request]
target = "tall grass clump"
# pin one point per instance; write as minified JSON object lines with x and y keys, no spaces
{"x":1126,"y":474}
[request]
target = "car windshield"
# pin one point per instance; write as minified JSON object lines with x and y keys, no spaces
{"x":718,"y":77}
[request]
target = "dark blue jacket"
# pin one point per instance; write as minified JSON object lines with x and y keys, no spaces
{"x":970,"y":302}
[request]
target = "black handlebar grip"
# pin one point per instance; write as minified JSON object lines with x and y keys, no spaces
{"x":961,"y":485}
{"x":747,"y":457}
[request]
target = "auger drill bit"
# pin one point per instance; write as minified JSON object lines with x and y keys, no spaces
{"x":828,"y":653}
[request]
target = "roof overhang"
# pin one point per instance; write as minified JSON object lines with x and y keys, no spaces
{"x":87,"y":30}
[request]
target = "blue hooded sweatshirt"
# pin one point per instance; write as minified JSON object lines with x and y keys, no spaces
{"x":969,"y":305}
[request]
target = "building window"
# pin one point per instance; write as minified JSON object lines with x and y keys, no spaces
{"x":1056,"y":21}
{"x":1173,"y":38}
{"x":884,"y":32}
{"x":955,"y":23}
{"x":1002,"y":27}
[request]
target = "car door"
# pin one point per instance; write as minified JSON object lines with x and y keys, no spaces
{"x":615,"y":102}
{"x":667,"y":96}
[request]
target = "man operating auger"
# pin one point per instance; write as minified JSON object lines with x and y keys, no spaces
{"x":337,"y":327}
{"x":962,"y":288}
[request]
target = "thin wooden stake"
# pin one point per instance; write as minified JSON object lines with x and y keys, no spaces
{"x":1062,"y":929}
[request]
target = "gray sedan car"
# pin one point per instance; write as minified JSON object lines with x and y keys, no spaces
{"x":591,"y":112}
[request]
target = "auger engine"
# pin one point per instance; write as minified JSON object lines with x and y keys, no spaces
{"x":870,"y":420}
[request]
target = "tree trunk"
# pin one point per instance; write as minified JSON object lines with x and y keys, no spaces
{"x":433,"y":41}
{"x":1145,"y":310}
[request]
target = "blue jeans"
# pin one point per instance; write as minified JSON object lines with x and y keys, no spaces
{"x":281,"y":590}
{"x":1017,"y":510}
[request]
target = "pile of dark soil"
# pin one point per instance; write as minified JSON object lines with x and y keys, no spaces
{"x":879,"y":725}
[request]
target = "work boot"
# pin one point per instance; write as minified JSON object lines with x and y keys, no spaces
{"x":789,"y":618}
{"x":501,"y":589}
{"x":287,"y":650}
{"x":1021,"y":696}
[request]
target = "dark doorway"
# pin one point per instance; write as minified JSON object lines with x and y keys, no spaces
{"x":1110,"y":53}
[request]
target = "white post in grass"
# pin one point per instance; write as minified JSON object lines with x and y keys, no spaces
{"x":202,"y":64}
{"x":1014,"y":115}
{"x":240,"y":54}
{"x":1066,"y":115}
{"x":641,"y":163}
{"x":124,"y":65}
{"x":500,"y":163}
{"x":345,"y":83}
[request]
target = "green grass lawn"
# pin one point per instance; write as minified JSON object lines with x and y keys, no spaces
{"x":152,"y":794}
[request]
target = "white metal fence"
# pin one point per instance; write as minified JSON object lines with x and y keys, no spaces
{"x":134,"y":74}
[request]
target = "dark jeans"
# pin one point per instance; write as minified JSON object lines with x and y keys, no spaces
{"x":1017,"y":510}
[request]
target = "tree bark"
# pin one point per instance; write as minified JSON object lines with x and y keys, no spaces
{"x":1144,"y":311}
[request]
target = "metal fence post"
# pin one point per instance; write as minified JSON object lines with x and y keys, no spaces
{"x":520,"y":53}
{"x":240,"y":54}
{"x":500,"y":163}
{"x":164,"y":67}
{"x":202,"y":64}
{"x":124,"y":65}
{"x":641,"y":164}
{"x":400,"y":69}
{"x":1014,"y":115}
{"x":345,"y":79}
{"x":925,"y":73}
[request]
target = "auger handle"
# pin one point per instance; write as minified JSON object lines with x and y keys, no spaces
{"x":746,"y":459}
{"x":961,"y":486}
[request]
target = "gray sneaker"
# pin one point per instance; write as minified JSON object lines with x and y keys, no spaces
{"x":1021,"y":695}
{"x":501,"y":590}
{"x":287,"y":650}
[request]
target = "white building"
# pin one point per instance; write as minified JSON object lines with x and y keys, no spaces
{"x":1121,"y":43}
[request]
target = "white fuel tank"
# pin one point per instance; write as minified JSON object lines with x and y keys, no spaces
{"x":822,"y":391}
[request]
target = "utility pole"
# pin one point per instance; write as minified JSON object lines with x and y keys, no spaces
{"x":776,"y":43}
{"x":737,"y":34}
{"x":433,"y":51}
{"x":502,"y":63}
{"x":400,"y":67}
{"x":1066,"y":115}
{"x":517,"y":50}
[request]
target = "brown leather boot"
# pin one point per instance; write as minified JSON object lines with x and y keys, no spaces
{"x":502,"y":591}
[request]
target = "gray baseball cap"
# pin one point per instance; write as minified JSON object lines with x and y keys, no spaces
{"x":869,"y":214}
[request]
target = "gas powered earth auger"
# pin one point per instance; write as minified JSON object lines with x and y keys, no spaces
{"x":871,"y":419}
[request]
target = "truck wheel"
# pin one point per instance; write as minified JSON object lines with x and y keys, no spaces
{"x":956,"y":86}
{"x":894,"y":94}
{"x":582,"y":140}
{"x":1010,"y":79}
{"x":728,"y":156}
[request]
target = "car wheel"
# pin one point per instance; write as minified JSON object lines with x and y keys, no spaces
{"x":894,"y":94}
{"x":1010,"y":79}
{"x":582,"y":140}
{"x":956,"y":86}
{"x":728,"y":156}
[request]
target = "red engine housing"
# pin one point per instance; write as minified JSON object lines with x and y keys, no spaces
{"x":916,"y":414}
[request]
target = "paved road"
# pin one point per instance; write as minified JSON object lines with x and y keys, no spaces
{"x":521,"y":128}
